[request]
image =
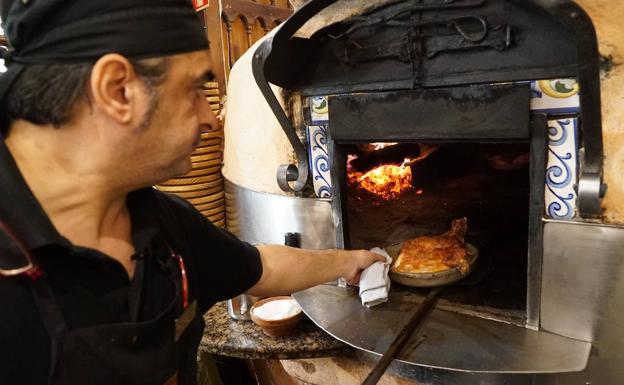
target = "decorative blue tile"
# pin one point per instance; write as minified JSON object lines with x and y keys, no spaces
{"x":319,"y":160}
{"x":562,"y":168}
{"x":556,"y":96}
{"x":319,"y":110}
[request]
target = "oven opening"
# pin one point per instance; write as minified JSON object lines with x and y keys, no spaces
{"x":398,"y":191}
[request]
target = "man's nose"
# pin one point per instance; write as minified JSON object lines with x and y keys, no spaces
{"x":207,"y":120}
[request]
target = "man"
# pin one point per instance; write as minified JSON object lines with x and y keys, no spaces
{"x":104,"y":280}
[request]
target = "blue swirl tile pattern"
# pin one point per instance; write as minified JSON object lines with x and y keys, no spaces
{"x":319,"y":160}
{"x":561,"y":170}
{"x":317,"y":146}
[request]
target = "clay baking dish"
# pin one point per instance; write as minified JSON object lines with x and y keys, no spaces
{"x":276,"y":328}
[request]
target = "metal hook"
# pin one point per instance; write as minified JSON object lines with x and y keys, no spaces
{"x":475,"y":38}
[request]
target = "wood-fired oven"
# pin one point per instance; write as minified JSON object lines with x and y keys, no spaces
{"x":418,"y":112}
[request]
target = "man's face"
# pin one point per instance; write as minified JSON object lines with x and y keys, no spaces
{"x":175,"y":122}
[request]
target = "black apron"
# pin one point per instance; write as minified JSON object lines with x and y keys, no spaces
{"x":129,"y":353}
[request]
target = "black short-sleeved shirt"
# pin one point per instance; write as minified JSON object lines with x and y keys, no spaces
{"x":92,"y":288}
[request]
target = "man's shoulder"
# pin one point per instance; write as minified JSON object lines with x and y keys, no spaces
{"x":172,"y":201}
{"x":181,"y":220}
{"x":170,"y":206}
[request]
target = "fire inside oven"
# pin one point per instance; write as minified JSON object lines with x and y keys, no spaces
{"x":399,"y":191}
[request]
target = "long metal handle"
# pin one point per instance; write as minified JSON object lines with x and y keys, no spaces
{"x":412,"y":326}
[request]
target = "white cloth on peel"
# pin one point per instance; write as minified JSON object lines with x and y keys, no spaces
{"x":374,"y":281}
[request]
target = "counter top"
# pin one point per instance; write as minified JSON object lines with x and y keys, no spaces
{"x":244,"y":339}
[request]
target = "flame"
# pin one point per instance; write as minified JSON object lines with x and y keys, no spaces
{"x":386,"y":181}
{"x":379,"y":146}
{"x":425,"y":151}
{"x":372,"y":147}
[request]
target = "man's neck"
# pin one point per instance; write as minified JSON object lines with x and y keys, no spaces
{"x":81,"y":201}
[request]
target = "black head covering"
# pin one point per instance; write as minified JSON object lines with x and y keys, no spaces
{"x":70,"y":31}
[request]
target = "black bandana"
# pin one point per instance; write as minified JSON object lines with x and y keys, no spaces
{"x":71,"y":31}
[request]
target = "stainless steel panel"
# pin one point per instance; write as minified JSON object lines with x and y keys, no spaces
{"x":582,"y":265}
{"x":261,"y":218}
{"x":600,"y":245}
{"x":453,"y":341}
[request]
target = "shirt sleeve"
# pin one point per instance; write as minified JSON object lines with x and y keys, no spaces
{"x":220,"y":265}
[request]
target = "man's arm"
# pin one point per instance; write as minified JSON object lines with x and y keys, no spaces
{"x":287,"y":269}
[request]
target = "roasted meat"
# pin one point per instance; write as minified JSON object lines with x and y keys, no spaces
{"x":432,"y":254}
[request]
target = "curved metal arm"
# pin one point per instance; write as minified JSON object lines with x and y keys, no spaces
{"x":591,"y":188}
{"x":299,"y":18}
{"x":286,"y":173}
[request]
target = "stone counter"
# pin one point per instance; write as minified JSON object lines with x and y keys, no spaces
{"x":309,"y":356}
{"x":244,"y":339}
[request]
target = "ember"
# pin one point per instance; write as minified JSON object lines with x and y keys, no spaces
{"x":386,"y":181}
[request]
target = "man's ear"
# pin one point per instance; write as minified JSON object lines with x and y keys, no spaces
{"x":115,"y":88}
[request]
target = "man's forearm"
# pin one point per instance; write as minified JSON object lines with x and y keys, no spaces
{"x":288,"y":269}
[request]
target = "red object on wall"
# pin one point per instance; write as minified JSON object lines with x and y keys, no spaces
{"x":200,"y":4}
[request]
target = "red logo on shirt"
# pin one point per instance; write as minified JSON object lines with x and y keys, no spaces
{"x":200,"y":4}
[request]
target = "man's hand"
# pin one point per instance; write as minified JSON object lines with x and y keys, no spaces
{"x":356,"y":261}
